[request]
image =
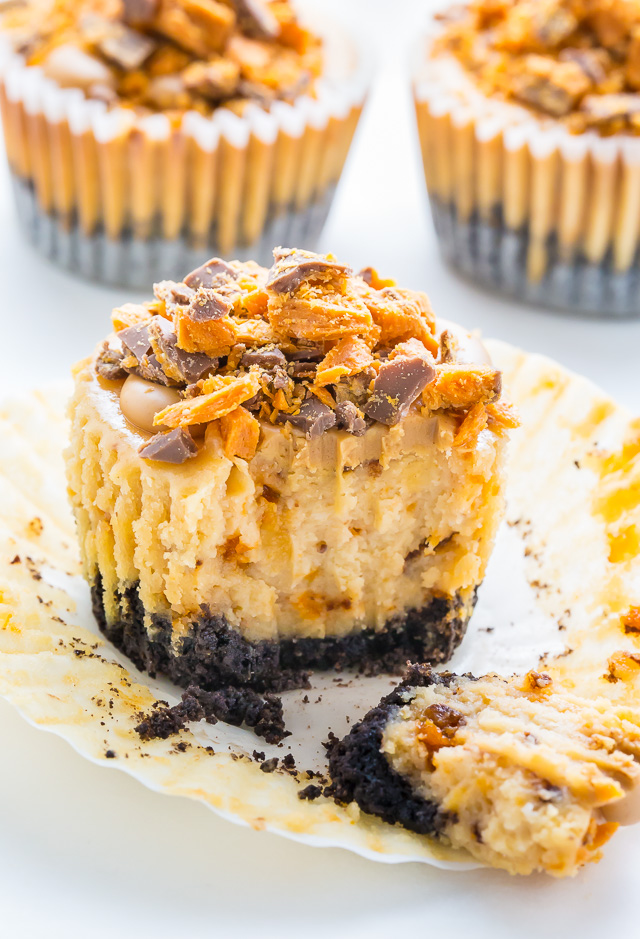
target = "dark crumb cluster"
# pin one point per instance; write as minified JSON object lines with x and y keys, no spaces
{"x":360,"y":772}
{"x":235,"y":706}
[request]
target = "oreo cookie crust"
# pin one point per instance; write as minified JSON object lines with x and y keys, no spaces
{"x":213,"y":655}
{"x":361,"y":773}
{"x":517,"y":771}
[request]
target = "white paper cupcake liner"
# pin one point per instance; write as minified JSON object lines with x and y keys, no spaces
{"x":565,"y":568}
{"x":524,"y":207}
{"x":127,"y":199}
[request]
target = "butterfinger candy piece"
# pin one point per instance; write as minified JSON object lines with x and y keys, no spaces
{"x":320,"y":315}
{"x":462,"y":386}
{"x":314,"y":418}
{"x":240,"y":433}
{"x":401,"y":314}
{"x":348,"y":357}
{"x":292,"y":268}
{"x":502,"y":417}
{"x":371,"y":277}
{"x":222,"y":395}
{"x":130,"y":314}
{"x":176,"y":446}
{"x":474,"y":423}
{"x":199,"y":26}
{"x":398,"y":384}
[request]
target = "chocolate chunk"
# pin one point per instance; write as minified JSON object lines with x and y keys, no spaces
{"x":174,"y":295}
{"x":303,"y":369}
{"x":216,"y":80}
{"x":314,"y":418}
{"x":366,"y":274}
{"x":109,"y":363}
{"x":280,"y":380}
{"x":265,"y":358}
{"x":176,"y":446}
{"x":183,"y":366}
{"x":140,"y":12}
{"x":126,"y":48}
{"x":310,"y":353}
{"x":208,"y":305}
{"x":256,"y":19}
{"x":349,"y":418}
{"x":207,"y":274}
{"x":397,"y":385}
{"x":136,"y":340}
{"x":292,"y":268}
{"x":149,"y":368}
{"x":591,"y":61}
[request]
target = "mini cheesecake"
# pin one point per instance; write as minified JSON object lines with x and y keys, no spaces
{"x":281,"y":470}
{"x":521,"y":774}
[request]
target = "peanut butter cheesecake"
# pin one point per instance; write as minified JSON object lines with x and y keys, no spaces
{"x":286,"y":469}
{"x":518,"y":772}
{"x":143,"y":135}
{"x":529,"y":121}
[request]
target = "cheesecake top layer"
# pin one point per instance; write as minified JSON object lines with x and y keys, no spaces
{"x":307,"y":345}
{"x":574,"y":60}
{"x":170,"y":55}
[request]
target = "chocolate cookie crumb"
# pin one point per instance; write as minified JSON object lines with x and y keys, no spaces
{"x":235,"y":706}
{"x":309,"y":793}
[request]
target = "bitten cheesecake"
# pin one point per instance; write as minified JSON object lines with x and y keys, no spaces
{"x":520,"y":773}
{"x":287,"y":469}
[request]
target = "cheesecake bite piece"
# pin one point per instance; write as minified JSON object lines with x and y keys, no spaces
{"x":522,"y":774}
{"x":281,"y":470}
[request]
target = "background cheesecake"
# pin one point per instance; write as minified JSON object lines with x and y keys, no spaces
{"x":286,"y":469}
{"x":145,"y":135}
{"x":529,"y":122}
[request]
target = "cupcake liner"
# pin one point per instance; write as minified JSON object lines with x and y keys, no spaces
{"x":127,"y":199}
{"x":564,"y":571}
{"x":523,"y":206}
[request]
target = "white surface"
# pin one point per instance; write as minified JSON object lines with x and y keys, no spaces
{"x":90,"y":853}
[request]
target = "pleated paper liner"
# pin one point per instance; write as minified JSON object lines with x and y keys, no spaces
{"x":564,"y":572}
{"x":524,"y":207}
{"x":127,"y":200}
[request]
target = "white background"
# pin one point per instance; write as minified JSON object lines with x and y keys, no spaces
{"x":86,"y":852}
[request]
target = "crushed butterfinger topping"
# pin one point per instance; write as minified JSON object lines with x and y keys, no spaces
{"x":307,"y":344}
{"x":170,"y":55}
{"x":574,"y":60}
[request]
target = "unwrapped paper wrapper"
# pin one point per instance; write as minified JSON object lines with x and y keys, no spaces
{"x":564,"y":571}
